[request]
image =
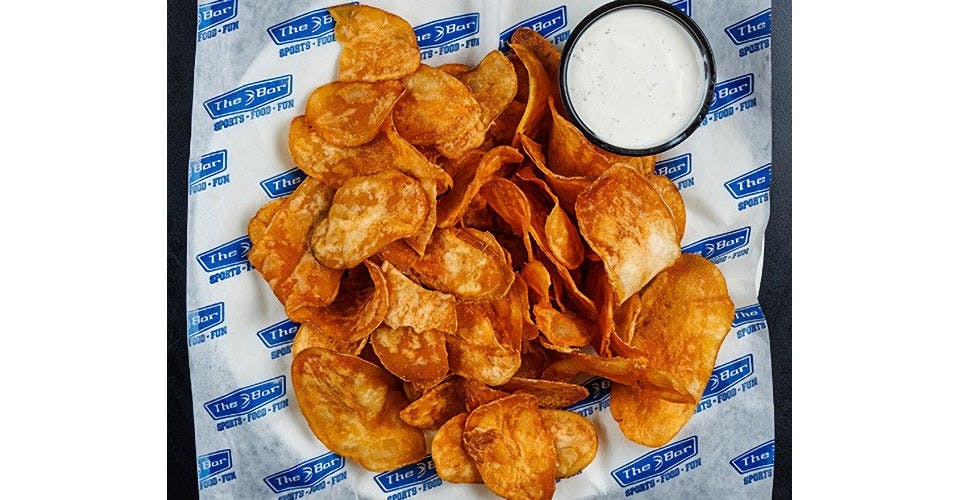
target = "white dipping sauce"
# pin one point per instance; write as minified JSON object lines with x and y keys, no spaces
{"x":636,"y":78}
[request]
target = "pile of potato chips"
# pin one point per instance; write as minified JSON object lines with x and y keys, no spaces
{"x":460,"y":253}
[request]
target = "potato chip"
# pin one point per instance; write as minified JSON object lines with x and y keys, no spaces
{"x":566,"y":188}
{"x":504,"y":126}
{"x":546,"y":53}
{"x":409,"y":354}
{"x":466,"y":263}
{"x":436,"y":406}
{"x":552,"y":228}
{"x":377,"y":45}
{"x":533,"y":359}
{"x":334,"y":165}
{"x":624,"y":220}
{"x":509,"y":202}
{"x":628,"y":371}
{"x":685,"y":313}
{"x":645,"y":418}
{"x":478,"y":394}
{"x":309,"y":335}
{"x":418,"y":241}
{"x":494,"y":83}
{"x":467,"y":182}
{"x":353,"y":407}
{"x":309,"y":287}
{"x":454,"y":69}
{"x":564,"y":330}
{"x":280,"y":246}
{"x":512,"y":448}
{"x":261,"y":220}
{"x":367,"y":213}
{"x":476,"y":351}
{"x":574,"y":438}
{"x":351,"y":114}
{"x":549,"y":394}
{"x":598,"y":285}
{"x":570,"y":153}
{"x":409,"y":304}
{"x":471,"y":138}
{"x":436,"y":107}
{"x":538,"y":91}
{"x":360,"y":306}
{"x":451,"y":460}
{"x":671,"y":198}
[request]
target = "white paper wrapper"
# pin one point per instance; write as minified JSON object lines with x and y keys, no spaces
{"x":256,"y":64}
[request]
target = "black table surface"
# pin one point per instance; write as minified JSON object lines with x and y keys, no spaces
{"x":775,"y":289}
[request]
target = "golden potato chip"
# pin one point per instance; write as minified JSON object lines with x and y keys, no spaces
{"x":477,"y":350}
{"x":685,"y":313}
{"x":671,"y":198}
{"x":624,"y":220}
{"x":367,"y":213}
{"x":466,"y":263}
{"x":494,"y":83}
{"x":334,"y":165}
{"x":567,"y":189}
{"x":538,"y":91}
{"x":351,"y":114}
{"x":478,"y":394}
{"x":454,"y":69}
{"x":645,"y":418}
{"x":451,"y":460}
{"x":377,"y":45}
{"x":627,"y":371}
{"x":512,"y":448}
{"x":353,"y":407}
{"x":509,"y":202}
{"x":570,"y":153}
{"x":574,"y":438}
{"x":437,"y":405}
{"x":360,"y":306}
{"x":261,"y":220}
{"x":409,"y":354}
{"x":468,"y":180}
{"x":471,"y":138}
{"x":549,"y":394}
{"x":412,"y":305}
{"x":547,"y":54}
{"x":504,"y":126}
{"x":309,"y":335}
{"x":418,"y":241}
{"x":436,"y":107}
{"x":598,"y":285}
{"x":310,"y":286}
{"x":533,"y":359}
{"x":553,"y":230}
{"x":564,"y":330}
{"x":537,"y":278}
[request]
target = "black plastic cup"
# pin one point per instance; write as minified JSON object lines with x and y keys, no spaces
{"x":692,"y":29}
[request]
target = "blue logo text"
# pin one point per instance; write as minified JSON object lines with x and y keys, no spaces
{"x":279,"y":333}
{"x":306,"y":474}
{"x":730,"y":91}
{"x":441,"y":31}
{"x":759,"y":457}
{"x":546,"y":24}
{"x":247,"y":399}
{"x":727,"y":375}
{"x":214,"y":13}
{"x":283,"y":184}
{"x":656,"y":462}
{"x":753,"y":28}
{"x":406,"y":476}
{"x":747,"y":314}
{"x":721,"y":244}
{"x":250,"y":96}
{"x":207,"y":165}
{"x":204,"y":318}
{"x":674,"y":168}
{"x":229,"y":254}
{"x":214,"y":463}
{"x":751,"y":183}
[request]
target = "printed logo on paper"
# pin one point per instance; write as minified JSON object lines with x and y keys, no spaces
{"x":247,"y":399}
{"x":209,"y":466}
{"x":303,"y":32}
{"x":751,"y":29}
{"x":204,"y":318}
{"x":546,"y":24}
{"x":229,"y":254}
{"x":683,"y":5}
{"x":215,"y":13}
{"x":748,"y":320}
{"x":722,"y":246}
{"x":410,"y":477}
{"x":278,"y":337}
{"x":283,"y":184}
{"x":756,"y":463}
{"x":309,"y":474}
{"x":200,"y":170}
{"x":597,"y":400}
{"x":450,"y":29}
{"x":730,"y":91}
{"x":748,"y":314}
{"x":676,"y":169}
{"x":753,"y":185}
{"x":727,"y":375}
{"x":250,"y":96}
{"x":658,"y":466}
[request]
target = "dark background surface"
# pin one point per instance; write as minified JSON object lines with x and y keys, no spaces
{"x":775,"y":290}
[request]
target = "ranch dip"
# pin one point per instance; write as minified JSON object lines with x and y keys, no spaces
{"x":636,"y":77}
